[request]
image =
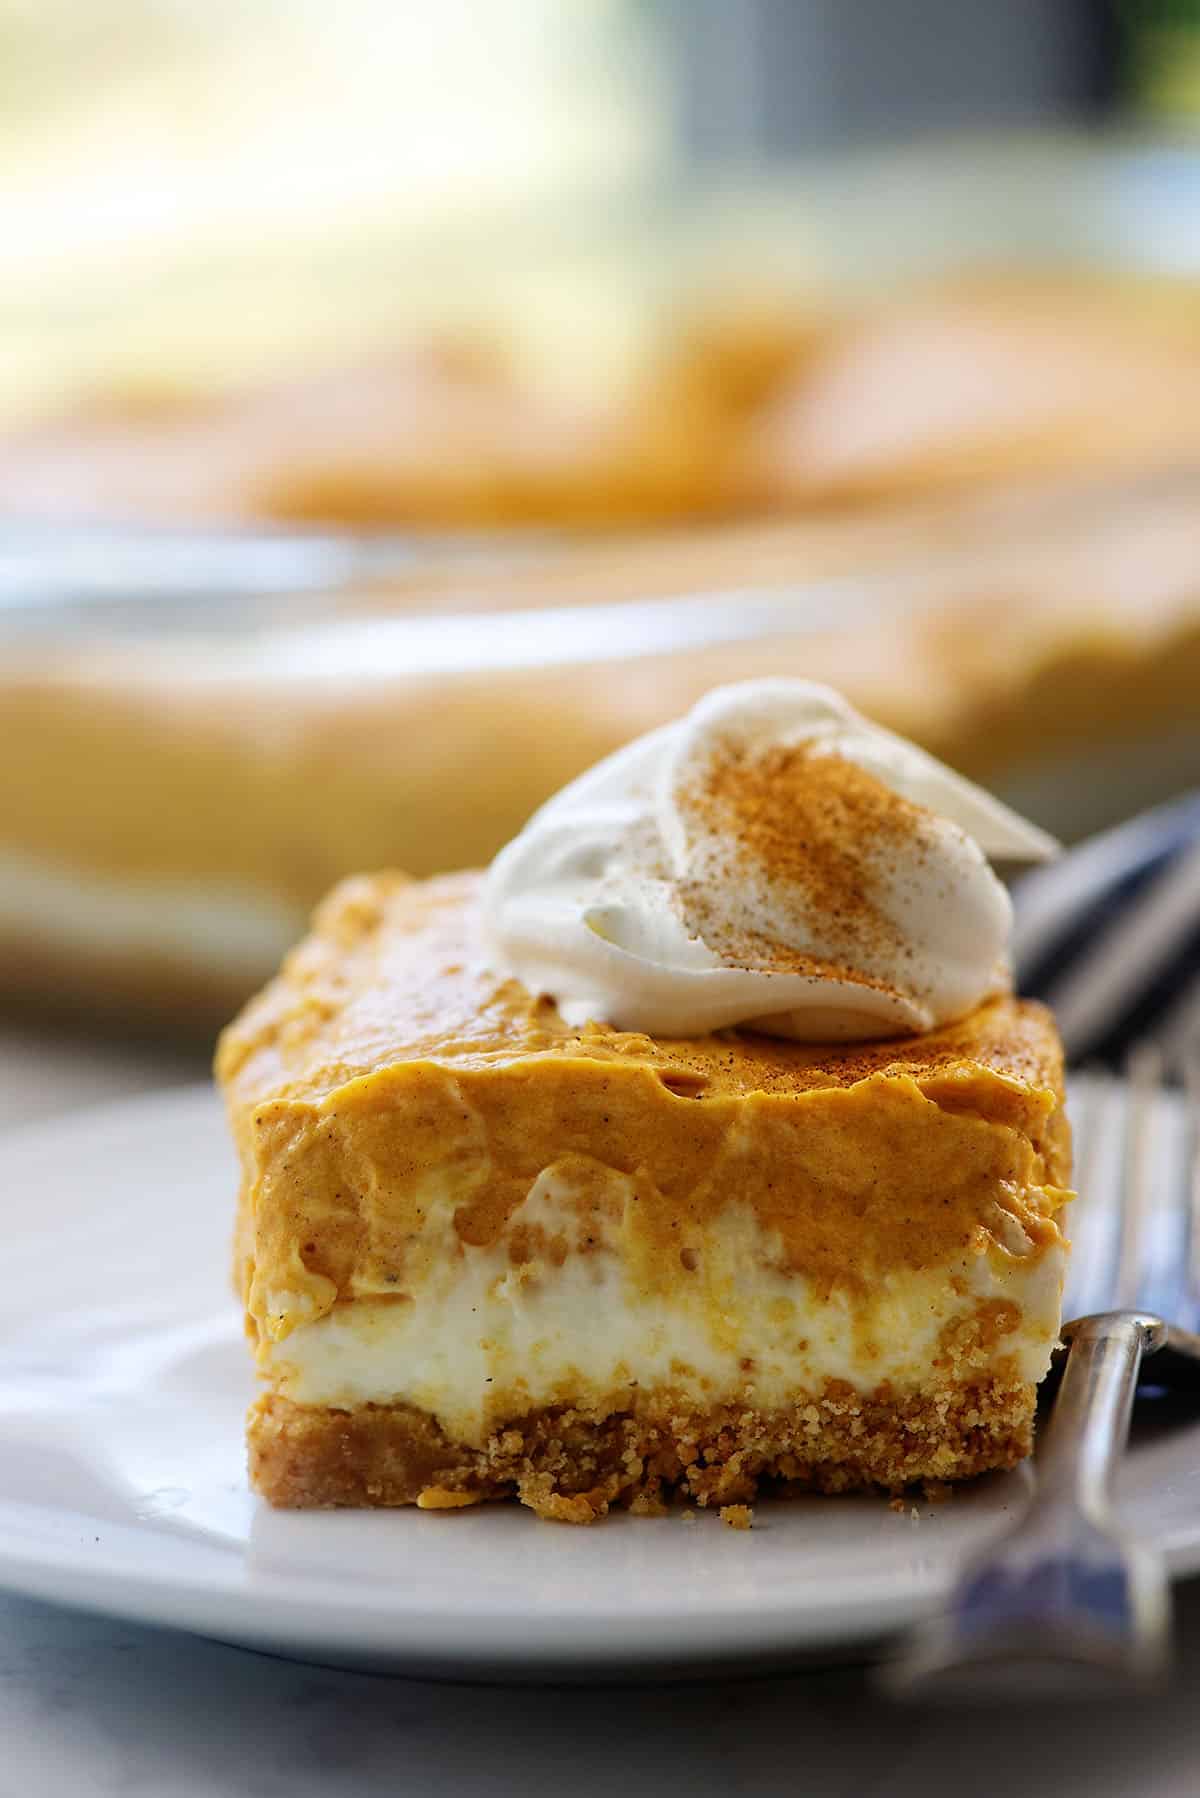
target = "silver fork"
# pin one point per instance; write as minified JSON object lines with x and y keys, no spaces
{"x":1067,"y":1591}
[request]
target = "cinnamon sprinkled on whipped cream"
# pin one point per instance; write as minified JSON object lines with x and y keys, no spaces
{"x":813,"y":822}
{"x":772,"y":861}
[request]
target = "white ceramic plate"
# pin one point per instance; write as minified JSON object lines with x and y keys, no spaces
{"x":123,"y":1380}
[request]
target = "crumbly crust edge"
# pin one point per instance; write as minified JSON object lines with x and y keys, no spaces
{"x":570,"y":1465}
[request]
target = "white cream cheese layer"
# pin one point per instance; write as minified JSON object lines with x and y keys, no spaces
{"x":479,"y":1338}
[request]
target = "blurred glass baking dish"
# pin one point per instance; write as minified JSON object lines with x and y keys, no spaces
{"x":189,"y":769}
{"x":203,"y":729}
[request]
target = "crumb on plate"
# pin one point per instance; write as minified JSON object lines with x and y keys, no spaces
{"x":441,"y":1498}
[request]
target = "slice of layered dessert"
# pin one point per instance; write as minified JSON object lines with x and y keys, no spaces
{"x":698,"y":1145}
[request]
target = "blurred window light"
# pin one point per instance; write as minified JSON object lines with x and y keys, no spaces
{"x":138,"y":129}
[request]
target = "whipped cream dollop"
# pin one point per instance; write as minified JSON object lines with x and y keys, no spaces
{"x":773,"y":861}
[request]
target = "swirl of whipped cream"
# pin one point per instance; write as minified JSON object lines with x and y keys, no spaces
{"x":773,"y":861}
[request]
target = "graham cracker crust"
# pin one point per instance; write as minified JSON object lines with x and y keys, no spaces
{"x":573,"y":1466}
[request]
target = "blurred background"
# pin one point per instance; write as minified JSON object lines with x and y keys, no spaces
{"x":402,"y":406}
{"x":201,"y":192}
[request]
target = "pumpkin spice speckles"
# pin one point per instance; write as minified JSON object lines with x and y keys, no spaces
{"x":813,"y":830}
{"x":771,"y":861}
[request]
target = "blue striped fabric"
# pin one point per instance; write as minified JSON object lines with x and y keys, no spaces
{"x":1110,"y":937}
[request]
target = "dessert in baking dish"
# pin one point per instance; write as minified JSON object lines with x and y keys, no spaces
{"x":174,"y":807}
{"x":442,"y":435}
{"x":789,"y":404}
{"x":973,"y":383}
{"x":698,"y":1145}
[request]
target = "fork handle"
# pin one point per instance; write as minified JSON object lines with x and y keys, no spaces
{"x":1064,"y":1592}
{"x":1088,"y":1427}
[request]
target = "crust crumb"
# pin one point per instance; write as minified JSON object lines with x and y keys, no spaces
{"x":737,"y":1517}
{"x":562,"y":1507}
{"x":648,"y":1504}
{"x":570,"y":1464}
